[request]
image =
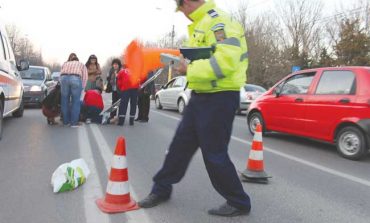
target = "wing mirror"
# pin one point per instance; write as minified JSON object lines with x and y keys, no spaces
{"x":277,"y":92}
{"x":23,"y":65}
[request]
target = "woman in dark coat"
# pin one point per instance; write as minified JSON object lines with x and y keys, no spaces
{"x":112,"y":82}
{"x":51,"y":105}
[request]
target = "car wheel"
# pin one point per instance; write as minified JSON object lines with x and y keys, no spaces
{"x":351,"y":143}
{"x":158,"y":103}
{"x":19,"y":112}
{"x":253,"y":120}
{"x":1,"y":120}
{"x":181,"y":106}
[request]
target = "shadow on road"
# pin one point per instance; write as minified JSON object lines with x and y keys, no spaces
{"x":309,"y":143}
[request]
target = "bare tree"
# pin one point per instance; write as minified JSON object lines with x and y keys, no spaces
{"x":14,"y":36}
{"x":266,"y":60}
{"x":241,"y":13}
{"x":301,"y":27}
{"x":23,"y":48}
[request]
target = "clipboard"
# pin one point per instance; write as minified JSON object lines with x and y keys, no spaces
{"x":197,"y":53}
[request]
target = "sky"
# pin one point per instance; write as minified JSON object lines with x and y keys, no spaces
{"x":104,"y":27}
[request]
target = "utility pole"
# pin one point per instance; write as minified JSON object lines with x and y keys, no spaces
{"x":172,"y":36}
{"x":367,"y":18}
{"x":170,"y":68}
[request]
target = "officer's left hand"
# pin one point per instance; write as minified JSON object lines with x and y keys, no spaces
{"x":182,"y":66}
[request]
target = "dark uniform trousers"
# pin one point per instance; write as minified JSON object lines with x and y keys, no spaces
{"x":143,"y":104}
{"x":126,"y":97}
{"x":207,"y":123}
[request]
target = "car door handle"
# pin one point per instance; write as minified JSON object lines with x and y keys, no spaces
{"x":344,"y":100}
{"x":299,"y":100}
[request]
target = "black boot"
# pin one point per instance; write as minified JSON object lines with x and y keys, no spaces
{"x":227,"y":210}
{"x":132,"y":120}
{"x":121,"y":120}
{"x":152,"y":200}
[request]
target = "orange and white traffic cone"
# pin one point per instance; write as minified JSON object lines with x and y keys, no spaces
{"x":117,"y":198}
{"x":255,"y":169}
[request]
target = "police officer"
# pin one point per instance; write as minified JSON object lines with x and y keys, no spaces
{"x":207,"y":120}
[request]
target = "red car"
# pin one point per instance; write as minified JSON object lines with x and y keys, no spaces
{"x":328,"y":104}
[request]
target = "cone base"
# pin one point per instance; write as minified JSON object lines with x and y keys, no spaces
{"x":255,"y":180}
{"x":116,"y":208}
{"x":255,"y":176}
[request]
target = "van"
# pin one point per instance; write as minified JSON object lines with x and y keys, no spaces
{"x":11,"y":87}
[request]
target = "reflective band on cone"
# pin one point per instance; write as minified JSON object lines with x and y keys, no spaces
{"x":257,"y":137}
{"x":118,"y":188}
{"x":119,"y":162}
{"x":256,"y":155}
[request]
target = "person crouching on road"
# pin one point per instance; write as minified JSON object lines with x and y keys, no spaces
{"x":72,"y":81}
{"x":92,"y":104}
{"x":51,"y":105}
{"x":208,"y":118}
{"x":128,"y":92}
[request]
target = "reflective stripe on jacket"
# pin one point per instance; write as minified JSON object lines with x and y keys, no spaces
{"x":226,"y":69}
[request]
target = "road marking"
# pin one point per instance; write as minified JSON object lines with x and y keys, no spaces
{"x":241,"y":119}
{"x":92,"y":189}
{"x":168,"y":116}
{"x":296,"y":159}
{"x":107,"y":155}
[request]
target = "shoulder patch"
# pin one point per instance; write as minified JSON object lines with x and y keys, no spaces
{"x":218,"y":27}
{"x":212,"y":13}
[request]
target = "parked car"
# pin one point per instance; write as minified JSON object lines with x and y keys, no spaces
{"x":249,"y":93}
{"x":36,"y":81}
{"x":174,"y":94}
{"x":329,"y":104}
{"x":11,"y":87}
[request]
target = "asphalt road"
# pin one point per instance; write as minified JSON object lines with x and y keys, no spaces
{"x":310,"y":182}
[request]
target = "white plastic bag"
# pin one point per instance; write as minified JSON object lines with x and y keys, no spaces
{"x":69,"y":176}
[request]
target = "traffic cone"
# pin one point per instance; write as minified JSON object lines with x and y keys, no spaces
{"x":255,"y":169}
{"x":117,"y":198}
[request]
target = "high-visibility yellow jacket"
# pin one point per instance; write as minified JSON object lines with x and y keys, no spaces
{"x":226,"y":69}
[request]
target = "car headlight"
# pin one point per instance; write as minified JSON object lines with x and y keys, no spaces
{"x":35,"y":88}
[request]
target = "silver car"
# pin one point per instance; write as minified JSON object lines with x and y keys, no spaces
{"x":174,"y":95}
{"x":35,"y":80}
{"x":249,"y":93}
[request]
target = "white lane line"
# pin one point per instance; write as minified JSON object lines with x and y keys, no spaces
{"x":165,"y":115}
{"x":296,"y":159}
{"x":92,"y":188}
{"x":176,"y":118}
{"x":241,"y":119}
{"x":107,"y":155}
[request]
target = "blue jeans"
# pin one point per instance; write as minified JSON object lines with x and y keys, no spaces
{"x":71,"y":89}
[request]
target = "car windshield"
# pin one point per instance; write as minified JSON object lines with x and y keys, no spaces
{"x":254,"y":88}
{"x":33,"y":74}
